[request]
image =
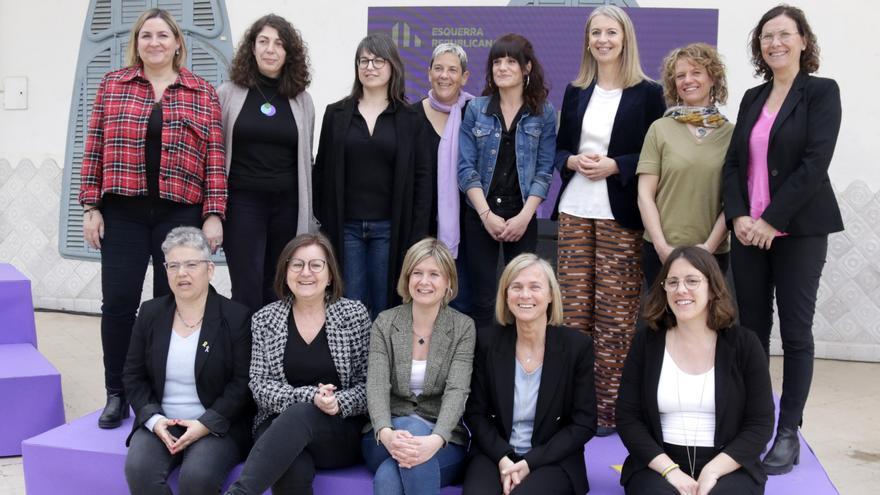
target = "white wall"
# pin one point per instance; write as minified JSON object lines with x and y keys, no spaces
{"x":39,"y":39}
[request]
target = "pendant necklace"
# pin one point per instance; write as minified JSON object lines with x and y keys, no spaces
{"x":421,"y":340}
{"x":701,"y":132}
{"x":692,"y":462}
{"x":267,"y":109}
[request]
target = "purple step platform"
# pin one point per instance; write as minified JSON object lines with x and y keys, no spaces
{"x":80,"y":459}
{"x":16,"y":308}
{"x":30,"y":391}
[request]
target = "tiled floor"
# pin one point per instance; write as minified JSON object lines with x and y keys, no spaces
{"x":842,"y":421}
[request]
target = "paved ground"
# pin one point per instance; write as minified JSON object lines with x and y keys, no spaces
{"x":841,"y":422}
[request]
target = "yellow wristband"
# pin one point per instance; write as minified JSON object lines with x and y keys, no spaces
{"x":669,"y":469}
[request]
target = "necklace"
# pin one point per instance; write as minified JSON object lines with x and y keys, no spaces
{"x":421,"y":340}
{"x":692,"y":461}
{"x":701,"y":132}
{"x":187,"y":325}
{"x":267,"y":109}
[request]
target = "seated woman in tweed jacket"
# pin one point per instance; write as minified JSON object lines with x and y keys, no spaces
{"x":421,"y":354}
{"x":308,"y":374}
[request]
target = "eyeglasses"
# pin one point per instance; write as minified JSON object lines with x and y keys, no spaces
{"x":297,"y":265}
{"x":690,"y":283}
{"x":784,"y":37}
{"x":188,"y":265}
{"x":378,"y":62}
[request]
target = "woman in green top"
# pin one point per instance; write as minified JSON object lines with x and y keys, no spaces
{"x":680,"y":165}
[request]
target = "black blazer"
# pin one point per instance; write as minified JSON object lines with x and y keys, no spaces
{"x":412,"y":192}
{"x":565,"y":417}
{"x":743,"y":400}
{"x":221,"y":366}
{"x":640,"y":106}
{"x":801,"y":145}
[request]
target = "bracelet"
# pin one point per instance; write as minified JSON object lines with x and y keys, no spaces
{"x":484,"y":212}
{"x":89,"y":210}
{"x":671,"y":468}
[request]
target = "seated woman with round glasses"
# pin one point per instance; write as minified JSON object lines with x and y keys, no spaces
{"x":186,"y":376}
{"x":308,"y":375}
{"x":695,"y":407}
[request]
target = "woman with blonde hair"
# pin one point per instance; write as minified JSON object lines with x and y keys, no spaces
{"x":680,"y":165}
{"x":418,"y":379}
{"x":606,"y":112}
{"x":532,"y":405}
{"x":153,"y":161}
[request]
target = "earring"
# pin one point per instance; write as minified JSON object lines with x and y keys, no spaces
{"x":712,"y":95}
{"x":177,"y":52}
{"x":528,"y":80}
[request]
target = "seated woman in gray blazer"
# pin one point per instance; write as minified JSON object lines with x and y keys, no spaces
{"x":421,"y":354}
{"x":186,"y":376}
{"x":308,"y":374}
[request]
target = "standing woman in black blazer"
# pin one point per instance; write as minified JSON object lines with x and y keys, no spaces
{"x":695,"y":406}
{"x":606,"y":113}
{"x":186,"y":376}
{"x":779,"y":198}
{"x":372,"y":175}
{"x":532,"y":405}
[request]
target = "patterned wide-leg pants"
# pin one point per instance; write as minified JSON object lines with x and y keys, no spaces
{"x":600,"y":276}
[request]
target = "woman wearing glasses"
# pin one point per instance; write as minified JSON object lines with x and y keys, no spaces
{"x":695,"y":406}
{"x":372,"y":178}
{"x":308,"y":374}
{"x":778,"y":196}
{"x":268,"y":122}
{"x":186,"y":376}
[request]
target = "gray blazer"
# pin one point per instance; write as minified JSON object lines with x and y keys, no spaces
{"x":232,"y":98}
{"x":447,"y":376}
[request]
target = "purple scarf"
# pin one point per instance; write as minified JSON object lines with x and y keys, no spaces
{"x":448,"y":229}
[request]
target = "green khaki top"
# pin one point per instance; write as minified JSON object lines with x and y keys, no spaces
{"x":689,"y":191}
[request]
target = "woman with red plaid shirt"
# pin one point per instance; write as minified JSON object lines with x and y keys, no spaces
{"x":153,"y":161}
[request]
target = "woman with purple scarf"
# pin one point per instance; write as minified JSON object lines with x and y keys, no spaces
{"x":443,"y":109}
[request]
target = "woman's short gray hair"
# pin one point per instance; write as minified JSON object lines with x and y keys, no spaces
{"x":454,"y":49}
{"x":190,"y":237}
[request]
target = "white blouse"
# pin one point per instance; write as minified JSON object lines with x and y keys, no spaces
{"x":687,"y":405}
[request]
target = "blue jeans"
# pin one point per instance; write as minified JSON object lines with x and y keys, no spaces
{"x":426,"y":478}
{"x":366,"y":247}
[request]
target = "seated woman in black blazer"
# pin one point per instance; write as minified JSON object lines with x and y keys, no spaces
{"x":533,"y":404}
{"x":186,"y":376}
{"x":695,"y":405}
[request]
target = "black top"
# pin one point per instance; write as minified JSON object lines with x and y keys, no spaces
{"x":802,"y":141}
{"x":505,"y":179}
{"x":743,"y":400}
{"x":431,"y":141}
{"x":264,"y":157}
{"x":369,"y":166}
{"x":308,"y":364}
{"x":151,"y":206}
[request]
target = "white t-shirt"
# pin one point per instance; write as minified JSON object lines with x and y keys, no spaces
{"x":687,"y":405}
{"x":583,"y":197}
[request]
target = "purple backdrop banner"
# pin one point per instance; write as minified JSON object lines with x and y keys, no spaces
{"x":557,"y":34}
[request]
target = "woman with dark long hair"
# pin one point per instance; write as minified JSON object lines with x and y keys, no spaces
{"x":505,"y":164}
{"x":268,"y":121}
{"x":372,"y":182}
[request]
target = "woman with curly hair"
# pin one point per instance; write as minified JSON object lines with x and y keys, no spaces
{"x":779,"y":200}
{"x":268,"y":121}
{"x":505,"y":164}
{"x":680,"y":165}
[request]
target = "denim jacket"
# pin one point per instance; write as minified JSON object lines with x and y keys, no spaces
{"x":480,"y":138}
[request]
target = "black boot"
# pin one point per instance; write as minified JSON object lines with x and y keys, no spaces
{"x":114,"y":412}
{"x":785,"y":452}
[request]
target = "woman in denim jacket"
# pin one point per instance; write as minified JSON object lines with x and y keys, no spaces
{"x":505,"y":163}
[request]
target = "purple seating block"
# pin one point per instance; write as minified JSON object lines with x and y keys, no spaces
{"x":80,"y":459}
{"x":16,"y":308}
{"x":30,"y":390}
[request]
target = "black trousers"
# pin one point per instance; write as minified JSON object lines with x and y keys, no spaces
{"x":483,"y":478}
{"x":204,"y":465}
{"x":258,"y":226}
{"x":791,"y":268}
{"x":290,"y":447}
{"x":482,"y":252}
{"x":131,"y":239}
{"x":649,"y":482}
{"x":651,"y":264}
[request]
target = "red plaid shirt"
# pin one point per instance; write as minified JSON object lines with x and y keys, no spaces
{"x":193,"y":167}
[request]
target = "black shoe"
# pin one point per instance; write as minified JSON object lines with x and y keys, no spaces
{"x":605,"y":431}
{"x":114,"y":412}
{"x":785,"y":452}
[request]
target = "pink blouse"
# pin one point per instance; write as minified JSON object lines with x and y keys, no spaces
{"x":758,"y":176}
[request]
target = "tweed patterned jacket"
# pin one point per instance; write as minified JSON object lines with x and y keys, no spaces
{"x":348,"y":336}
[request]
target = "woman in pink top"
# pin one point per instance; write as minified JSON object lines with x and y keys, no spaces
{"x":778,"y":197}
